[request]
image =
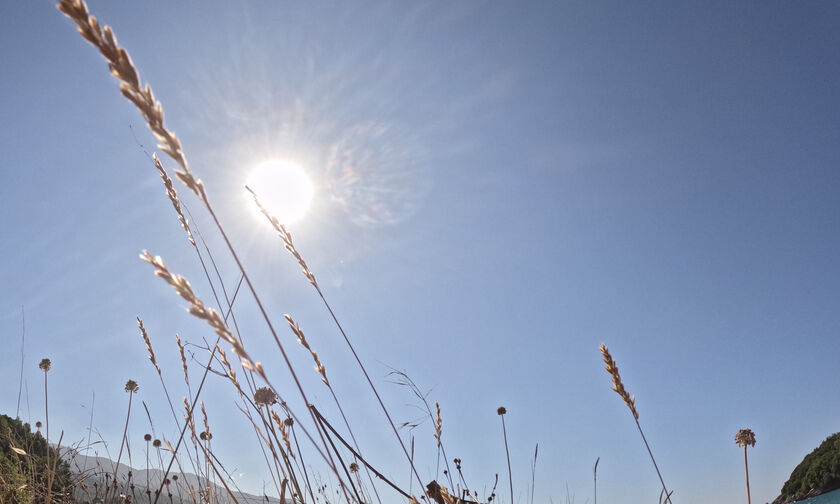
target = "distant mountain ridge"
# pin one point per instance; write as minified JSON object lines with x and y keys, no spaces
{"x":818,"y":473}
{"x":98,"y":467}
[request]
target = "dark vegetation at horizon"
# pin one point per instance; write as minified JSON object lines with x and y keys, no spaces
{"x":818,"y":472}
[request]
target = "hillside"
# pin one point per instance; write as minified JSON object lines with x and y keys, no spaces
{"x":818,"y":473}
{"x":23,"y":463}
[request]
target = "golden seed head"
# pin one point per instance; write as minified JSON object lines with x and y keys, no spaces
{"x":265,"y":396}
{"x":45,"y":365}
{"x":131,"y":386}
{"x":618,"y":386}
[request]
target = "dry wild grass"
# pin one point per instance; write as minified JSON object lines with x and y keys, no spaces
{"x":292,"y":443}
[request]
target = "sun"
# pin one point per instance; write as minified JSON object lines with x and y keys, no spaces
{"x":283,"y":188}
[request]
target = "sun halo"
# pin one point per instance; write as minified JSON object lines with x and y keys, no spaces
{"x":283,"y":188}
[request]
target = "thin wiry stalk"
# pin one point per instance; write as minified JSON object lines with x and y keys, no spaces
{"x":406,"y":381}
{"x":302,"y":463}
{"x":144,"y":334}
{"x":290,"y":247}
{"x":322,"y":371}
{"x":130,"y":387}
{"x":618,"y":387}
{"x":347,"y":445}
{"x":595,"y":478}
{"x":22,"y":344}
{"x":45,"y":366}
{"x":533,"y":471}
{"x":501,"y":411}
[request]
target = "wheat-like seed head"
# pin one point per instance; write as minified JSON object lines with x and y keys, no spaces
{"x":438,"y":423}
{"x":284,"y":432}
{"x":148,"y":342}
{"x":189,"y":416}
{"x":199,"y":309}
{"x":302,"y":340}
{"x":230,"y":372}
{"x":286,"y":236}
{"x":618,"y":386}
{"x":121,"y":67}
{"x":204,"y":414}
{"x":183,"y":358}
{"x":173,"y":197}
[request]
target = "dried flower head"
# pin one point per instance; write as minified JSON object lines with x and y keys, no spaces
{"x":147,"y":437}
{"x":288,"y":422}
{"x":618,"y":386}
{"x":354,"y":467}
{"x":502,"y":410}
{"x":45,"y":365}
{"x":745,"y":437}
{"x":131,"y":386}
{"x":156,"y":443}
{"x":265,"y":396}
{"x":38,"y":424}
{"x":205,"y":436}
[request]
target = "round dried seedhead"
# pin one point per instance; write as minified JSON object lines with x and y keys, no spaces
{"x":38,"y":424}
{"x":288,"y":422}
{"x":156,"y":443}
{"x":745,"y":437}
{"x":131,"y":386}
{"x":147,"y":437}
{"x":45,"y":365}
{"x":265,"y":396}
{"x":502,"y":410}
{"x":354,"y":467}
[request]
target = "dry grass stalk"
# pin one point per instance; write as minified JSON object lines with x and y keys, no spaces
{"x":121,"y":67}
{"x":173,"y":197}
{"x":630,"y":401}
{"x":617,"y":385}
{"x":199,"y":309}
{"x":148,"y":342}
{"x":286,"y":236}
{"x":302,"y":340}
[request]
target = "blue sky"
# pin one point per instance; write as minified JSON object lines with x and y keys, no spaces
{"x":532,"y":179}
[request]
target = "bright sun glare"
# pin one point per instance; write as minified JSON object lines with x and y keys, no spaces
{"x":283,"y":188}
